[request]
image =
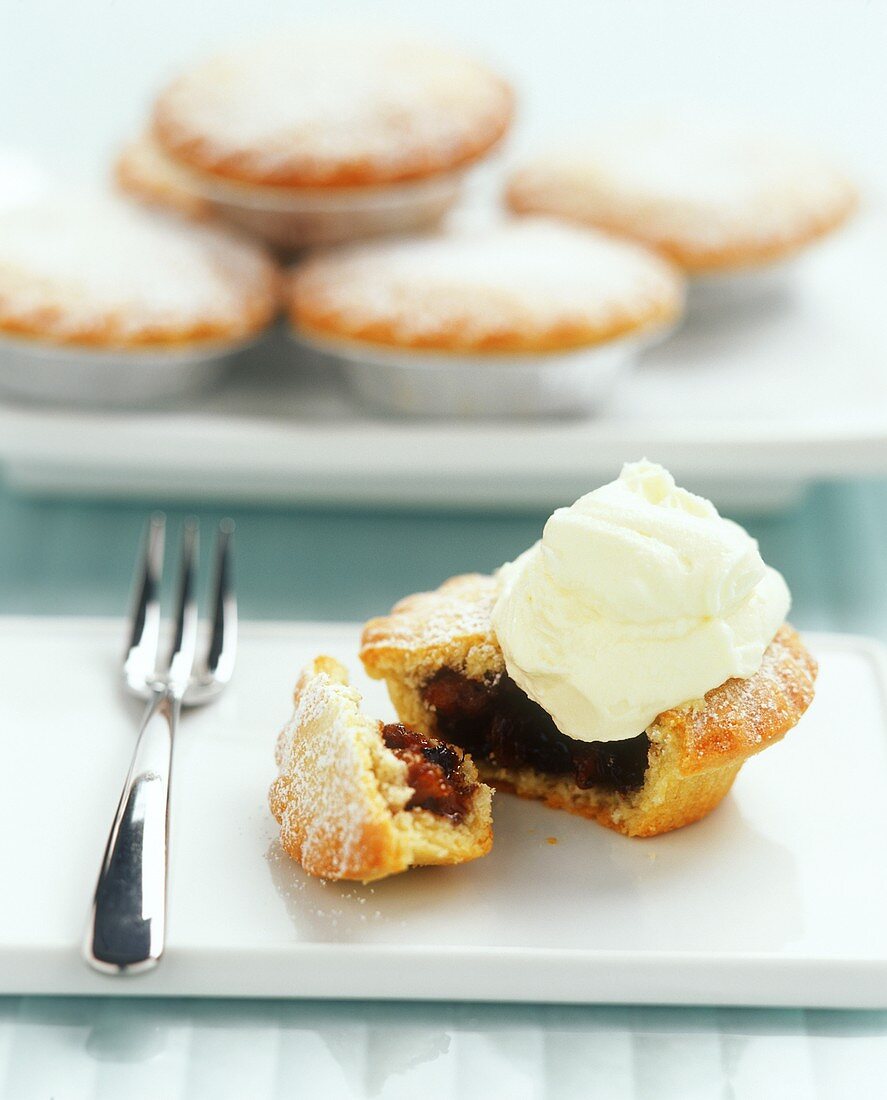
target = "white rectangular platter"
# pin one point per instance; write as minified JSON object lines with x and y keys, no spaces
{"x":744,"y":404}
{"x":778,"y":898}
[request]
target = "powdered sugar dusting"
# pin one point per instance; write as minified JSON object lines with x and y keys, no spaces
{"x":692,"y":181}
{"x":321,"y":797}
{"x":97,"y":267}
{"x":314,"y":104}
{"x":530,"y":277}
{"x":459,"y":609}
{"x":742,"y":716}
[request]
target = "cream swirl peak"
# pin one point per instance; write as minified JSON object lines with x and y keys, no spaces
{"x":638,"y":598}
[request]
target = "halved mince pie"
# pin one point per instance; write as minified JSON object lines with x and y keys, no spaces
{"x":357,"y":799}
{"x":446,"y":675}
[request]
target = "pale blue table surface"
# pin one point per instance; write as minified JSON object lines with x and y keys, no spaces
{"x":74,"y":557}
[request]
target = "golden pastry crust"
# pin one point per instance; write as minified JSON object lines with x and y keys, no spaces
{"x":708,"y":202}
{"x":341,"y":796}
{"x":530,"y":285}
{"x":695,"y":752}
{"x":447,"y":628}
{"x":103,"y":273}
{"x":142,"y":172}
{"x":333,"y":109}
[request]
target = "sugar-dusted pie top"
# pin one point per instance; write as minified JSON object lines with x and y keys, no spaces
{"x":332,"y":108}
{"x":707,"y":196}
{"x":98,"y":271}
{"x":526,"y":285}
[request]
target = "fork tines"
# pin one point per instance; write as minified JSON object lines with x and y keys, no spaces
{"x":143,"y":670}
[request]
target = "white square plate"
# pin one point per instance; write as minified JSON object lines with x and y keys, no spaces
{"x":747,"y":404}
{"x":778,"y":898}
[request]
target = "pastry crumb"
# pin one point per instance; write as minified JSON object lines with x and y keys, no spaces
{"x":551,"y":840}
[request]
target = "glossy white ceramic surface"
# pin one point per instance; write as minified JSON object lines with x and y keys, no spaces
{"x":775,"y":899}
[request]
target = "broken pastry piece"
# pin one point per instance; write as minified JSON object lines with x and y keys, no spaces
{"x":357,"y":799}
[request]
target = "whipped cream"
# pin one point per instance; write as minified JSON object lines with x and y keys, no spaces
{"x":638,"y":598}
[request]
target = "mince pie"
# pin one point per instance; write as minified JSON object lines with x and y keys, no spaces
{"x":446,"y":675}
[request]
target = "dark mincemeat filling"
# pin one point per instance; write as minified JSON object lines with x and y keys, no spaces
{"x":434,"y":771}
{"x":499,"y":724}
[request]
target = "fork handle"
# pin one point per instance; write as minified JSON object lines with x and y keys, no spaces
{"x":128,"y":917}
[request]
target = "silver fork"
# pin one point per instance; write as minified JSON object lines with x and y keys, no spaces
{"x":128,"y":917}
